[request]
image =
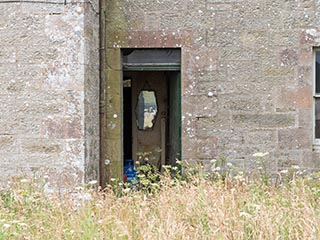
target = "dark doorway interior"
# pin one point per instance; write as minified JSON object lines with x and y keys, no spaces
{"x":127,"y":120}
{"x":166,"y":132}
{"x":152,"y":104}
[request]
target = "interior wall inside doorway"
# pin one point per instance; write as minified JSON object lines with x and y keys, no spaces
{"x":174,"y":135}
{"x":173,"y":129}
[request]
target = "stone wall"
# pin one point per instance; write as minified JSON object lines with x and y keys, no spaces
{"x":49,"y":90}
{"x":247,"y":73}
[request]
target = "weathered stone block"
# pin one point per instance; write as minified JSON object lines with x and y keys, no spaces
{"x":243,"y":71}
{"x":73,"y":152}
{"x":273,"y":70}
{"x":41,"y":146}
{"x":201,"y":59}
{"x":8,"y":55}
{"x":20,"y":125}
{"x":300,"y":98}
{"x":207,"y":148}
{"x":224,"y":1}
{"x":113,"y":58}
{"x":261,"y":137}
{"x":305,"y":118}
{"x":62,"y":127}
{"x":289,"y":57}
{"x":220,"y":121}
{"x":290,"y":158}
{"x":201,"y":106}
{"x":237,"y":103}
{"x":114,"y":157}
{"x":213,"y":6}
{"x":42,"y":8}
{"x":298,"y":18}
{"x":305,"y":76}
{"x":289,"y":37}
{"x":226,"y":38}
{"x":192,"y":20}
{"x":8,"y":144}
{"x":264,"y":120}
{"x":218,"y":88}
{"x":295,"y":138}
{"x":236,"y":54}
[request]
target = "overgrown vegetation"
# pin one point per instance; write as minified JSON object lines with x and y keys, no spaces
{"x":195,"y":205}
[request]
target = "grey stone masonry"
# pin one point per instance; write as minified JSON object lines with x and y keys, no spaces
{"x":247,"y":81}
{"x":247,"y":73}
{"x":49,"y":90}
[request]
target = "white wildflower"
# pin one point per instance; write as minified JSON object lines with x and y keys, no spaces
{"x":239,"y":178}
{"x":126,"y":190}
{"x":78,"y":189}
{"x":210,"y":94}
{"x":260,"y":154}
{"x":178,"y":162}
{"x":285,"y":171}
{"x":213,"y":161}
{"x":217,"y":169}
{"x":23,"y":225}
{"x":296,"y":167}
{"x":257,"y":207}
{"x":229,"y":165}
{"x":245,"y":214}
{"x":123,"y":236}
{"x":6,"y":226}
{"x":99,"y":204}
{"x":93,"y":182}
{"x":84,"y":196}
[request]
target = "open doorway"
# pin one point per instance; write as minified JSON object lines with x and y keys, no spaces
{"x":152,"y":106}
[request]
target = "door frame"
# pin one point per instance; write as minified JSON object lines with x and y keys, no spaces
{"x":112,"y":158}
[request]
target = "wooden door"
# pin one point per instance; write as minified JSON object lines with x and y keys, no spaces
{"x":149,"y":117}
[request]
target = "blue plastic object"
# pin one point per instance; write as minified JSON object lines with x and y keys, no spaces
{"x":128,"y":170}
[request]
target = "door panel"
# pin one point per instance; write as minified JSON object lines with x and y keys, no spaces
{"x":149,"y":116}
{"x":174,"y":119}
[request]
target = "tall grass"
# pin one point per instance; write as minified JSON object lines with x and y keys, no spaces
{"x":195,"y":209}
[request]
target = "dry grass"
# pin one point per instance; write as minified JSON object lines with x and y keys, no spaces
{"x":199,"y":209}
